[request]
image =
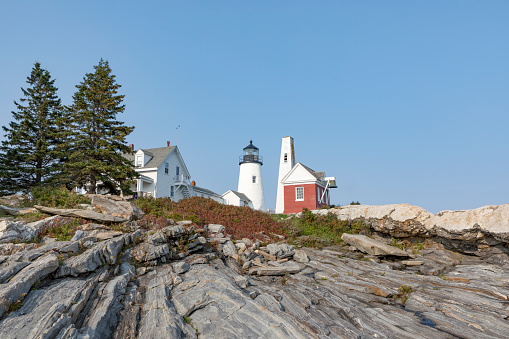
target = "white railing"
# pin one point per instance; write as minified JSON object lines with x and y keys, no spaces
{"x":181,"y":179}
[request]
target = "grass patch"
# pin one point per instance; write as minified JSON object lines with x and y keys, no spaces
{"x":31,"y":217}
{"x":323,"y":230}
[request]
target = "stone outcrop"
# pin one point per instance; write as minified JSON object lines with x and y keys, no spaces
{"x":79,"y":213}
{"x":371,"y":246}
{"x":11,"y":231}
{"x":281,"y":251}
{"x":9,"y":210}
{"x":13,"y":200}
{"x":21,"y":283}
{"x":16,"y":210}
{"x":183,"y":281}
{"x":118,"y":208}
{"x":103,"y":253}
{"x":476,"y":231}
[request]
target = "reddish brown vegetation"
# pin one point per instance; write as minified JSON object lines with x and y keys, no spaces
{"x":240,"y":222}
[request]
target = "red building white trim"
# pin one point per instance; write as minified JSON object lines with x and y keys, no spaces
{"x":304,"y":187}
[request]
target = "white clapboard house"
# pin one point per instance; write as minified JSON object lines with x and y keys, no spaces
{"x":163,"y":173}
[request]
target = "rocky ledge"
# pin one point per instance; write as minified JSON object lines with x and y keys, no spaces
{"x":482,"y":231}
{"x":186,"y":281}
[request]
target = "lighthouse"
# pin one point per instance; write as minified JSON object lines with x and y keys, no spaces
{"x":250,"y":176}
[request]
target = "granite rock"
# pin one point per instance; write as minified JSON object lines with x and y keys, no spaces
{"x":371,"y":246}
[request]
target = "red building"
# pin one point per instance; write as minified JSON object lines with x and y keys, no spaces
{"x":304,"y":187}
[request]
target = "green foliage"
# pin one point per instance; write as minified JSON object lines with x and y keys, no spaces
{"x":96,"y":139}
{"x":354,"y":203}
{"x":62,"y":229}
{"x":279,"y":217}
{"x":31,"y":217}
{"x":324,"y":229}
{"x":240,"y":222}
{"x":59,"y":197}
{"x":397,"y":243}
{"x":405,"y":289}
{"x":30,"y":154}
{"x":17,"y":304}
{"x":404,"y":292}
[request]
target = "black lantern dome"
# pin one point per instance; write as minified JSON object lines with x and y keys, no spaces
{"x":251,"y":154}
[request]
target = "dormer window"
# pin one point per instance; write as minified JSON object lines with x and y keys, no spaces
{"x":142,"y":158}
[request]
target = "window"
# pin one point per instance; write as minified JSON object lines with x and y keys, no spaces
{"x":172,"y":193}
{"x":286,"y":157}
{"x":166,"y":168}
{"x":254,"y":179}
{"x":138,"y":161}
{"x":299,"y":193}
{"x":177,"y":171}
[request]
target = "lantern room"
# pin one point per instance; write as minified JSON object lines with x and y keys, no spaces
{"x":251,"y":154}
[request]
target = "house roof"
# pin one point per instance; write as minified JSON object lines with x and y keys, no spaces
{"x":319,"y":176}
{"x":204,"y":190}
{"x":242,"y":196}
{"x":158,"y":155}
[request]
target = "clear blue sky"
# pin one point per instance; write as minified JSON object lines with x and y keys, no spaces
{"x":402,"y":101}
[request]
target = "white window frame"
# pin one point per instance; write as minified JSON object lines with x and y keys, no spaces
{"x":166,"y":168}
{"x":177,"y":171}
{"x":172,"y":191}
{"x":299,"y":193}
{"x":139,"y":161}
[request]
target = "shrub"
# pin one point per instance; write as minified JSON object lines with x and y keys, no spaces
{"x":321,"y":230}
{"x":151,"y":221}
{"x":240,"y":222}
{"x":62,"y":228}
{"x":59,"y":197}
{"x":404,"y":293}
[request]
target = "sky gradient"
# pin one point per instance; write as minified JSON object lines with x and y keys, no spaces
{"x":402,"y":101}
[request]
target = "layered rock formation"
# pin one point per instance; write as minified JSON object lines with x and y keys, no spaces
{"x":482,"y":231}
{"x":185,"y":281}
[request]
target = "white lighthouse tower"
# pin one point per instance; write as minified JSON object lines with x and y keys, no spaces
{"x":250,"y":177}
{"x":286,"y":163}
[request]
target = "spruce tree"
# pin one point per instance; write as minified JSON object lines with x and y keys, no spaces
{"x":30,"y":153}
{"x":97,"y":140}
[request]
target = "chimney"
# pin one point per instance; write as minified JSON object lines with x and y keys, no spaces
{"x":167,"y":144}
{"x":193,"y":183}
{"x":131,"y":146}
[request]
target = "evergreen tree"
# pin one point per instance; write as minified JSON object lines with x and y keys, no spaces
{"x":96,"y":140}
{"x":30,"y":154}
